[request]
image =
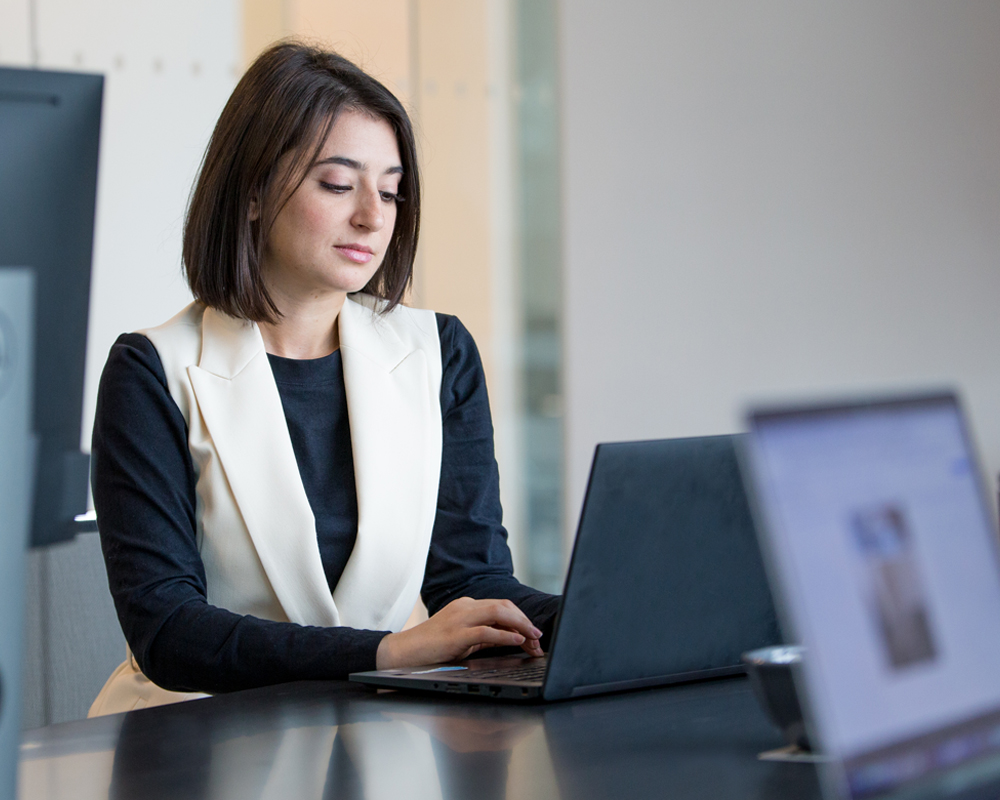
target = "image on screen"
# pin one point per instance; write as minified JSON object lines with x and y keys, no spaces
{"x":894,"y":591}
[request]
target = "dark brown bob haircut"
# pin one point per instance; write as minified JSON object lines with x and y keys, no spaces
{"x":288,"y":101}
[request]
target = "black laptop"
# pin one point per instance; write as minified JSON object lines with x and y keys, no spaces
{"x":666,"y":583}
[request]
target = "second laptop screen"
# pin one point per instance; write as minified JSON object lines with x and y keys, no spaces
{"x":889,"y":567}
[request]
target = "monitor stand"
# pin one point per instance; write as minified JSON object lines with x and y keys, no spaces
{"x":17,"y":291}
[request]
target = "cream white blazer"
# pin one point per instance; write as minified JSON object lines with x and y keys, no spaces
{"x":256,"y":531}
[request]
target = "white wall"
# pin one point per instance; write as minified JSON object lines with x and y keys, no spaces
{"x":773,"y":199}
{"x":169,"y":69}
{"x":15,"y":39}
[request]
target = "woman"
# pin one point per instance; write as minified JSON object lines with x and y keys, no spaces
{"x":282,"y":469}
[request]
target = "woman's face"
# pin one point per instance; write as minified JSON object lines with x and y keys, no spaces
{"x":332,"y":234}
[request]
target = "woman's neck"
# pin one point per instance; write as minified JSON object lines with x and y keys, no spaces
{"x":306,"y":329}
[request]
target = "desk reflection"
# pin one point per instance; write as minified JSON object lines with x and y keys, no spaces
{"x":361,"y":747}
{"x":321,"y":740}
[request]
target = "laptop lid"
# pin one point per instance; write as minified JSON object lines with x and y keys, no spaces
{"x":666,"y":582}
{"x":885,"y":562}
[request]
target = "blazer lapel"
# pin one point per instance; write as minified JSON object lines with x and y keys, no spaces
{"x":239,"y":402}
{"x":395,"y":422}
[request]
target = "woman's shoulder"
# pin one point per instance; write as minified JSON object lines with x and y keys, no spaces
{"x":133,"y":360}
{"x":455,"y":337}
{"x":188,"y":318}
{"x":463,"y":378}
{"x":145,"y":358}
{"x":181,"y":334}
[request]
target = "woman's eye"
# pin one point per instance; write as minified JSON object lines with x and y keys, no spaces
{"x":336,"y":188}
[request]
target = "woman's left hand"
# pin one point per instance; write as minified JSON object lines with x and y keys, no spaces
{"x":458,"y":630}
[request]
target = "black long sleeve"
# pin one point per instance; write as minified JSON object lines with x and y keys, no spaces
{"x":469,"y":556}
{"x":144,"y":491}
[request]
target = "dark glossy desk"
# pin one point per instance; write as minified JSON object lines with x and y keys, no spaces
{"x":335,"y":740}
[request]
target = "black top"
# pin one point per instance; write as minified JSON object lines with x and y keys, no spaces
{"x":144,"y":492}
{"x":312,"y":395}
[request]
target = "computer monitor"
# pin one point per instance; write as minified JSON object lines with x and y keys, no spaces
{"x":49,"y":132}
{"x":887,"y":563}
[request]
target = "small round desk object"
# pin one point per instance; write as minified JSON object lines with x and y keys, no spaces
{"x":770,"y":673}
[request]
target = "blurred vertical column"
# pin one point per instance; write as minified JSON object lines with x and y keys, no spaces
{"x":540,"y":268}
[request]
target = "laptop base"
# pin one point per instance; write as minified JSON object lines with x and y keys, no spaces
{"x":482,"y":677}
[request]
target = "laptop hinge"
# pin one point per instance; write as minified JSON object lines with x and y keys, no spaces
{"x":660,"y":680}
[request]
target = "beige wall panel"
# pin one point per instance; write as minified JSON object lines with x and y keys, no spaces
{"x":264,"y":21}
{"x":375,"y":34}
{"x":455,"y":121}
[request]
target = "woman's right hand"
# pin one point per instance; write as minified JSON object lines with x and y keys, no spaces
{"x":457,"y":631}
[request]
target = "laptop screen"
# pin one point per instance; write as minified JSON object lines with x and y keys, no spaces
{"x":888,"y":570}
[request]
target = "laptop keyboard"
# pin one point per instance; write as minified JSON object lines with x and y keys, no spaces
{"x":525,"y":674}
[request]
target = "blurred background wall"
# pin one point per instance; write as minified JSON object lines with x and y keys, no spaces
{"x":775,"y":198}
{"x":647,"y":213}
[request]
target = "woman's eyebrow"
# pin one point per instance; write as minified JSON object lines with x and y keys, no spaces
{"x":350,"y":163}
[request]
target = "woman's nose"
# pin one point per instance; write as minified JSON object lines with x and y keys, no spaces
{"x":369,"y":213}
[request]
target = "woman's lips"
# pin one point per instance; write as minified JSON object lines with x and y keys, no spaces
{"x":357,"y":253}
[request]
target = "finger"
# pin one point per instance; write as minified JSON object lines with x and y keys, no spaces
{"x":532,"y":647}
{"x":496,"y":614}
{"x":536,"y":635}
{"x":486,"y":636}
{"x":504,"y":614}
{"x":474,"y":649}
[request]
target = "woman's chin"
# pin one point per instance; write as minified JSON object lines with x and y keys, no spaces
{"x":340,"y":285}
{"x":354,"y":280}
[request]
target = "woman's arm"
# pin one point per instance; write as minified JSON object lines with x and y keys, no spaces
{"x":144,"y":492}
{"x":468,"y":555}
